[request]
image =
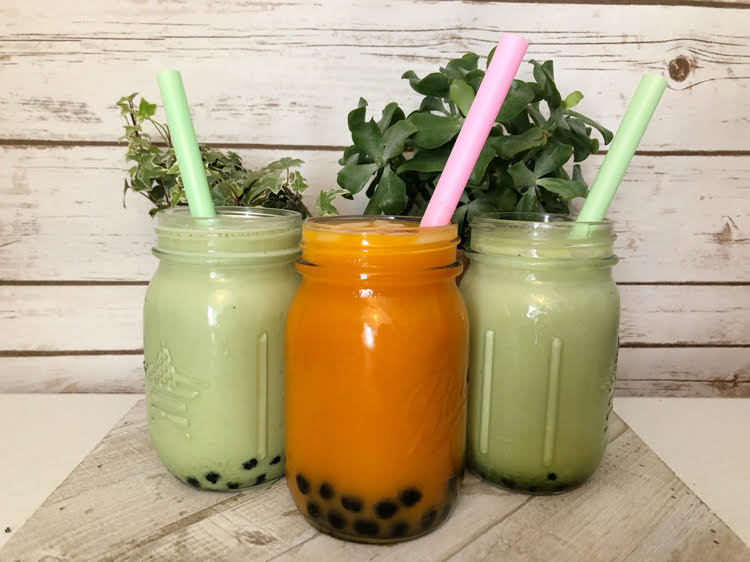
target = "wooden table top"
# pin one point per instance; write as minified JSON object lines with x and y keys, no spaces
{"x":120,"y":503}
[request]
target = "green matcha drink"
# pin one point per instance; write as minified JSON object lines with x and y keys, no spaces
{"x":544,"y":315}
{"x":214,"y":343}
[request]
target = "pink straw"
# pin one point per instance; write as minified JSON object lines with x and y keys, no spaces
{"x":495,"y":85}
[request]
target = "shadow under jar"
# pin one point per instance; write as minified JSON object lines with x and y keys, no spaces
{"x":377,"y":350}
{"x":214,"y":343}
{"x":544,"y":316}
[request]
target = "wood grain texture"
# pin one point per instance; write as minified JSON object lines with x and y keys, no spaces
{"x":677,"y":218}
{"x":287,"y":72}
{"x":121,"y":504}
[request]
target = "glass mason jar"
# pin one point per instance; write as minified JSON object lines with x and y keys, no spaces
{"x":214,"y":343}
{"x":377,"y":350}
{"x":544,"y":315}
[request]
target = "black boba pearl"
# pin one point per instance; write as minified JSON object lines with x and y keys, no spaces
{"x":212,"y":477}
{"x":193,"y":482}
{"x":351,"y":503}
{"x":386,"y":509}
{"x":233,"y":485}
{"x":313,"y":510}
{"x":508,"y":483}
{"x":336,"y":520}
{"x":552,"y":476}
{"x":276,"y":460}
{"x":366,"y":528}
{"x":409,"y":496}
{"x":326,"y":491}
{"x":428,"y":519}
{"x":400,"y":529}
{"x":532,"y":489}
{"x":249,"y":465}
{"x":260,"y":479}
{"x":302,"y":484}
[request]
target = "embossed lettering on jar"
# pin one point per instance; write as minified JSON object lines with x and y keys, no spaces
{"x":544,"y":315}
{"x":214,"y":344}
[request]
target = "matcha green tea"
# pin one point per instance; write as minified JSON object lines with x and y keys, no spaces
{"x":214,"y":343}
{"x":544,"y":315}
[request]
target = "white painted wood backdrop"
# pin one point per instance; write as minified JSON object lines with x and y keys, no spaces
{"x":277,"y":78}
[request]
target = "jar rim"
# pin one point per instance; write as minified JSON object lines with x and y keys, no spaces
{"x":338,"y":223}
{"x":539,"y":220}
{"x":228,"y":218}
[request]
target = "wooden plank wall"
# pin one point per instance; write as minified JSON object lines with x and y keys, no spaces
{"x":277,"y":78}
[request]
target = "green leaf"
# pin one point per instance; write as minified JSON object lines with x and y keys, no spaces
{"x":568,"y":189}
{"x":469,"y":61}
{"x":454,"y":70}
{"x":390,"y":195}
{"x":395,"y":136}
{"x":489,"y":57}
{"x":578,"y":176}
{"x":519,"y":96}
{"x":392,"y":113}
{"x":504,"y":198}
{"x":606,"y":133}
{"x":145,"y":109}
{"x":354,"y":177}
{"x":368,"y":138}
{"x":431,"y":103}
{"x":351,"y":155}
{"x":435,"y":84}
{"x":522,"y":176}
{"x":485,"y":157}
{"x":528,"y":202}
{"x":480,"y":205}
{"x":434,"y":130}
{"x":553,"y":155}
{"x":573,"y":99}
{"x":357,"y":116}
{"x":544,"y":75}
{"x":474,"y":78}
{"x":324,"y":201}
{"x":462,"y":95}
{"x":510,"y":145}
{"x":427,"y":161}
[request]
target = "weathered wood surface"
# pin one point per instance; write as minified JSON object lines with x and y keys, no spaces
{"x":677,"y":218}
{"x":121,"y":504}
{"x":286,"y":72}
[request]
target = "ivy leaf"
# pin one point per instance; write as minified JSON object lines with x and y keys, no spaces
{"x":544,"y":75}
{"x":434,"y":130}
{"x":145,"y":109}
{"x":435,"y":84}
{"x":462,"y":95}
{"x":368,"y":138}
{"x":553,"y":156}
{"x":567,"y":189}
{"x":522,"y":176}
{"x":324,"y":201}
{"x":519,"y":96}
{"x":392,"y":113}
{"x":390,"y":197}
{"x":485,"y":157}
{"x":395,"y":137}
{"x":528,"y":202}
{"x":508,"y":146}
{"x":357,"y":116}
{"x":572,"y":100}
{"x":607,"y":135}
{"x":354,"y":177}
{"x":426,"y":161}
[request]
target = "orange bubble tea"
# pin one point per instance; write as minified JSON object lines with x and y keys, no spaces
{"x":376,"y":358}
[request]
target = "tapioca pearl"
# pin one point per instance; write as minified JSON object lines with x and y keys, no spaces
{"x":326,"y":491}
{"x":276,"y":460}
{"x":260,"y":479}
{"x":400,"y":529}
{"x":212,"y":477}
{"x":351,"y":503}
{"x":428,"y":519}
{"x":251,"y":464}
{"x":552,"y":476}
{"x":366,"y":527}
{"x":313,"y":509}
{"x":233,"y":485}
{"x":409,"y":496}
{"x":302,"y":484}
{"x":385,"y":509}
{"x":336,"y":519}
{"x":508,"y":483}
{"x":193,"y":482}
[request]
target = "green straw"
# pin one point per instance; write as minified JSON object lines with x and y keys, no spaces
{"x":185,"y":145}
{"x":623,"y":147}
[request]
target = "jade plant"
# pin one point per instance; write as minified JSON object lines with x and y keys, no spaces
{"x":155,"y":173}
{"x":398,"y":159}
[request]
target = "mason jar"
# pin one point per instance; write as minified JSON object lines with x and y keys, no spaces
{"x":214,"y":343}
{"x":544,"y":315}
{"x":377,"y":350}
